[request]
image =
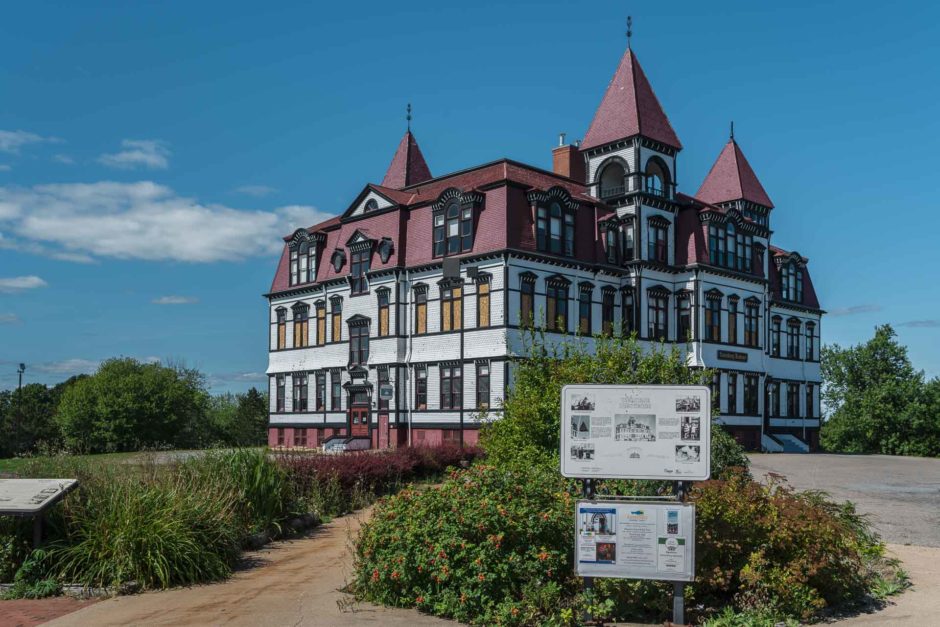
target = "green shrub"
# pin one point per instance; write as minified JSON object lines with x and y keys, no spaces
{"x":494,"y":545}
{"x":530,"y":429}
{"x":31,"y":581}
{"x":489,"y":546}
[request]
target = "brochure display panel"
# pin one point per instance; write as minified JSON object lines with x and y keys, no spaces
{"x":637,"y":540}
{"x":636,"y":432}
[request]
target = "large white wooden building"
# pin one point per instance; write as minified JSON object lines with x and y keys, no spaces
{"x":394,"y":322}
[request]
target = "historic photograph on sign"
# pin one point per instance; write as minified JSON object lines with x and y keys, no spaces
{"x":583,"y":402}
{"x":691,"y":428}
{"x":638,"y":428}
{"x":689,"y":403}
{"x":606,"y":552}
{"x":688,"y":453}
{"x":582,"y":451}
{"x":580,"y":427}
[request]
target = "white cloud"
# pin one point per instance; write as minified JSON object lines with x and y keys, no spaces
{"x":12,"y":141}
{"x":67,"y":160}
{"x":175,"y":300}
{"x":854,"y":309}
{"x":20,"y":283}
{"x":141,"y":220}
{"x":255,"y":190}
{"x":68,"y":366}
{"x":921,"y":324}
{"x":9,"y":318}
{"x":5,"y":168}
{"x":149,"y":153}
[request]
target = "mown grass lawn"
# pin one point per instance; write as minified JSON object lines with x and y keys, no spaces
{"x":12,"y":465}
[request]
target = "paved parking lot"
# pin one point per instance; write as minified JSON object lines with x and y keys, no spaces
{"x":900,"y":494}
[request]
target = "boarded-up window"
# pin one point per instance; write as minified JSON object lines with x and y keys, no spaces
{"x":383,"y":313}
{"x":451,"y":308}
{"x":321,"y":326}
{"x":483,"y":305}
{"x":301,"y":327}
{"x":281,"y":329}
{"x":421,"y":312}
{"x":337,"y":313}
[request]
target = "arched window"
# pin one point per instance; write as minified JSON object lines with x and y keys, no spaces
{"x":555,"y":229}
{"x":453,"y":229}
{"x":657,"y":178}
{"x":792,"y":282}
{"x":612,"y":181}
{"x":371,"y":205}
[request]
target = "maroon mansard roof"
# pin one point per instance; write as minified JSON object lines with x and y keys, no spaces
{"x":408,"y":166}
{"x":502,"y":223}
{"x":629,"y":108}
{"x":732,"y":178}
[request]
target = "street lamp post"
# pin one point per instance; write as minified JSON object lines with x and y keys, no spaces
{"x":20,"y":372}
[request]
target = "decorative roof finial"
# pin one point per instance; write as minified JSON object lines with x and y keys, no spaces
{"x":408,"y":117}
{"x":732,"y":130}
{"x":629,"y":30}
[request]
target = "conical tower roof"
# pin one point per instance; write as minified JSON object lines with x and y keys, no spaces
{"x":629,"y":108}
{"x":408,"y":166}
{"x":732,"y":178}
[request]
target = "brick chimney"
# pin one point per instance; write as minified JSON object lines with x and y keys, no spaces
{"x":567,"y":160}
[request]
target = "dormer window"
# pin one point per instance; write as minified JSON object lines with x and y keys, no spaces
{"x":303,"y":257}
{"x":555,"y":229}
{"x":453,"y":229}
{"x":729,"y":248}
{"x":361,"y":258}
{"x":658,"y":247}
{"x":791,"y":281}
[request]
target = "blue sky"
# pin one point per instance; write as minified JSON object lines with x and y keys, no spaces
{"x":152,"y":153}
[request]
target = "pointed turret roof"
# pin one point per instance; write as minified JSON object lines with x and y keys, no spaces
{"x":408,"y":166}
{"x":629,"y":108}
{"x":731,"y":178}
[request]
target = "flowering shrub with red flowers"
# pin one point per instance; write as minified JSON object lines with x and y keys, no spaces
{"x":490,"y":546}
{"x":494,"y":546}
{"x":334,"y":484}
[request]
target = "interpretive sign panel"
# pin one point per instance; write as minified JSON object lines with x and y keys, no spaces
{"x":27,"y":497}
{"x":636,"y":540}
{"x":636,"y":432}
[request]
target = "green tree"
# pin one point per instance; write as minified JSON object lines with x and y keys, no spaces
{"x":238,"y":419}
{"x":26,"y":419}
{"x":876,"y":402}
{"x":128,"y":405}
{"x":529,"y":432}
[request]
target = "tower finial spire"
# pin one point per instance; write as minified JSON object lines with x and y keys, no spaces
{"x":629,"y":31}
{"x":408,"y":117}
{"x":732,"y":130}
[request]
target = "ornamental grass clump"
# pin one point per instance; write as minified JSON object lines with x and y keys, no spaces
{"x":174,"y":530}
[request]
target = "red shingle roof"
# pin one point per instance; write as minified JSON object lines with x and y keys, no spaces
{"x":408,"y":166}
{"x":629,"y":108}
{"x":731,"y":178}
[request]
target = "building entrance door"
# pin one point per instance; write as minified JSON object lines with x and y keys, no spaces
{"x":359,"y":422}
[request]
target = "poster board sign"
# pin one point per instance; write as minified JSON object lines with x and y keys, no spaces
{"x":636,"y":432}
{"x":635,"y":540}
{"x":28,"y":497}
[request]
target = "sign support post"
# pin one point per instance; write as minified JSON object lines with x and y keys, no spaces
{"x":587,"y":492}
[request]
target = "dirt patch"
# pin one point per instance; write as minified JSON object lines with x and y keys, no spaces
{"x":28,"y":612}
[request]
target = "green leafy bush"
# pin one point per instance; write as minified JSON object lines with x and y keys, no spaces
{"x":494,"y":546}
{"x":528,"y":433}
{"x":490,"y":546}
